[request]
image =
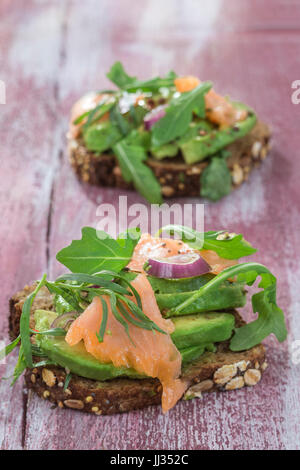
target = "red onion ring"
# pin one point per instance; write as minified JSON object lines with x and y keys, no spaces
{"x":66,"y":319}
{"x":153,"y":116}
{"x":178,"y":266}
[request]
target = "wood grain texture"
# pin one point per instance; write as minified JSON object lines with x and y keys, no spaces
{"x":54,"y":52}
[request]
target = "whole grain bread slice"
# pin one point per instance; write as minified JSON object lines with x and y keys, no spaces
{"x":175,"y":176}
{"x":219,"y":371}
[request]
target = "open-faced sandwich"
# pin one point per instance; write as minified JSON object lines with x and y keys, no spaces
{"x":144,"y":320}
{"x":170,"y":136}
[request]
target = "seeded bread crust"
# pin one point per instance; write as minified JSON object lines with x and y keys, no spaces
{"x":219,"y":371}
{"x":176,"y":177}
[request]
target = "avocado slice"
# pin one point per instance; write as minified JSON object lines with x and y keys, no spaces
{"x":228,"y":295}
{"x":171,"y":292}
{"x":200,"y":147}
{"x":193,"y":330}
{"x":75,"y":358}
{"x":174,"y":286}
{"x":167,"y":150}
{"x":101,"y":136}
{"x":193,"y":353}
{"x":80,"y":362}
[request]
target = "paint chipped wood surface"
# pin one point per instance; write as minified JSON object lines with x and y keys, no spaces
{"x":52,"y":52}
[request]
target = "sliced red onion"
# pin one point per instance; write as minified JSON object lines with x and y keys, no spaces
{"x":64,"y":320}
{"x":178,"y":266}
{"x":155,"y":115}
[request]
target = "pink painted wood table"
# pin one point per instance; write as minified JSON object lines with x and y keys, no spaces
{"x":51,"y":53}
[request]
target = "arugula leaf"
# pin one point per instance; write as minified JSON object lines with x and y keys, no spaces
{"x":233,"y":247}
{"x":152,"y":85}
{"x":118,"y":120}
{"x":179,"y":115}
{"x":24,"y":324}
{"x":96,"y":251}
{"x":270,"y":316}
{"x":119,"y":77}
{"x":216,"y":180}
{"x":131,"y":159}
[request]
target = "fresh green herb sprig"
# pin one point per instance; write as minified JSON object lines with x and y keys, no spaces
{"x":96,"y":113}
{"x":24,"y":323}
{"x":71,"y":287}
{"x":117,"y":296}
{"x":228,"y":246}
{"x":67,"y":380}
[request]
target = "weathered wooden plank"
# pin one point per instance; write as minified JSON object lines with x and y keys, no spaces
{"x":28,"y":156}
{"x":246,"y":49}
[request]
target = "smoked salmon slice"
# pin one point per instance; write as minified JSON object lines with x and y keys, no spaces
{"x":86,"y":103}
{"x":154,"y":247}
{"x":149,"y":353}
{"x":218,"y":109}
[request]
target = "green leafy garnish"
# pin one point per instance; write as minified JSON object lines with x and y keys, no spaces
{"x":185,"y":131}
{"x":117,"y":118}
{"x":119,"y":297}
{"x":92,"y":259}
{"x":101,"y":136}
{"x":51,"y":332}
{"x":216,"y":179}
{"x":20,"y":365}
{"x":131,"y":158}
{"x":179,"y":115}
{"x":24,"y":324}
{"x":96,"y":113}
{"x":100,"y":335}
{"x":120,"y":78}
{"x":97,"y":251}
{"x":9,"y":348}
{"x":228,"y":246}
{"x":270,"y":316}
{"x":82,"y":278}
{"x":67,"y":301}
{"x":67,"y":380}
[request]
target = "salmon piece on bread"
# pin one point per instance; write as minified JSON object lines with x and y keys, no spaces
{"x":123,"y":395}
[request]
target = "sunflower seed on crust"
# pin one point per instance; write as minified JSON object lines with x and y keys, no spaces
{"x":203,"y":386}
{"x":256,"y":147}
{"x":76,"y":404}
{"x":252,"y":377}
{"x":225,"y":373}
{"x":242,"y":365}
{"x":48,"y":377}
{"x":235,"y":383}
{"x":237,"y":174}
